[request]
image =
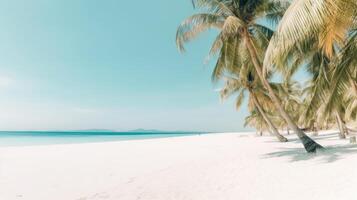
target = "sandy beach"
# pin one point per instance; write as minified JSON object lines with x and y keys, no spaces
{"x":203,"y":167}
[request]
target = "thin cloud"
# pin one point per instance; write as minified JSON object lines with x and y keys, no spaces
{"x":84,"y":110}
{"x":6,"y":81}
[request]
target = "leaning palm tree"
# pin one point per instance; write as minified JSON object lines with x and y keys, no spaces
{"x":239,"y":22}
{"x":289,"y":92}
{"x":318,"y":65}
{"x":309,"y":109}
{"x":329,"y":23}
{"x":258,"y":100}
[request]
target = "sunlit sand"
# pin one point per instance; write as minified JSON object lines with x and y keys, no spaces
{"x":205,"y":167}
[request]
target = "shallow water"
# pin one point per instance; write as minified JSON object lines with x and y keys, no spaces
{"x":28,"y":138}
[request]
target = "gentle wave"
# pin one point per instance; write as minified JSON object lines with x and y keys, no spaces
{"x":28,"y":138}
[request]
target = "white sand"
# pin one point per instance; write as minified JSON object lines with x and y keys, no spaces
{"x":207,"y":167}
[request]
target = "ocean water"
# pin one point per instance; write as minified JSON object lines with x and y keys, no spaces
{"x":28,"y":138}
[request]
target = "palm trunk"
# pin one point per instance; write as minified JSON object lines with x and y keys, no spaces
{"x":309,"y":144}
{"x":346,"y":129}
{"x":315,"y":129}
{"x":341,"y":133}
{"x":267,"y":120}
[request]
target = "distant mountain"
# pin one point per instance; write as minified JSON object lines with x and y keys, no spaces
{"x":140,"y":130}
{"x":94,"y":130}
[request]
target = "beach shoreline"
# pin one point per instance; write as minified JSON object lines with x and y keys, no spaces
{"x":212,"y":166}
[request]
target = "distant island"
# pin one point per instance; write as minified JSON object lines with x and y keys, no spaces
{"x":92,"y":130}
{"x":141,"y":130}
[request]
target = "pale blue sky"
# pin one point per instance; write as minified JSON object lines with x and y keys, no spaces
{"x":113,"y":64}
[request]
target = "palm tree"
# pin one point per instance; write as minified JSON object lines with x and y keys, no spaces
{"x":331,"y":25}
{"x":255,"y":119}
{"x":314,"y":110}
{"x":344,"y":77}
{"x":238,"y":22}
{"x":289,"y":92}
{"x":341,"y":125}
{"x":257,"y":98}
{"x":310,"y":109}
{"x":318,"y":65}
{"x":351,"y":102}
{"x":327,"y":20}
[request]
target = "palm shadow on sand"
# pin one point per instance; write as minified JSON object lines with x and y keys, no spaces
{"x":333,"y":135}
{"x":316,"y":138}
{"x":328,"y":155}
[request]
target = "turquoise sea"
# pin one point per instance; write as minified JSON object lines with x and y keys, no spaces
{"x":28,"y":138}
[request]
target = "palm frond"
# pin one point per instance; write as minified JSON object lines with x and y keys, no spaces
{"x":194,"y":25}
{"x":239,"y":100}
{"x":213,"y":6}
{"x":231,"y":26}
{"x":341,"y":76}
{"x":303,"y":19}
